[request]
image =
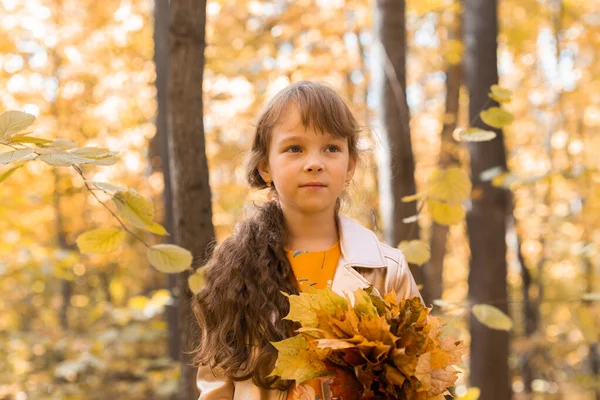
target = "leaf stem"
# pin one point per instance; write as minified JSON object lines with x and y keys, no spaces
{"x":80,"y":172}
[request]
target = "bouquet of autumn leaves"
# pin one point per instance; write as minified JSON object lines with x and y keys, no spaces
{"x":377,"y":348}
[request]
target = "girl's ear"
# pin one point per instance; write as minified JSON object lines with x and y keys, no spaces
{"x":263,"y":170}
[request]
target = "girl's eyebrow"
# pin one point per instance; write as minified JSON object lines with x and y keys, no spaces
{"x":301,"y":138}
{"x":290,"y":138}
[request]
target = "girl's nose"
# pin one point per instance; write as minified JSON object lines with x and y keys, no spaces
{"x":313,"y":165}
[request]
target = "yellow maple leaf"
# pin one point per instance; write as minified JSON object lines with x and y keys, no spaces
{"x":295,"y":361}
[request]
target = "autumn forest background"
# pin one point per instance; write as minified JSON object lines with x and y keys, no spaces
{"x":481,"y":125}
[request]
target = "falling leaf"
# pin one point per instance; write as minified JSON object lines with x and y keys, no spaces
{"x":446,"y":214}
{"x":473,"y":393}
{"x":476,"y":135}
{"x":450,"y":185}
{"x":490,"y":173}
{"x":417,"y":196}
{"x":492,"y":317}
{"x":500,"y":94}
{"x":496,"y":117}
{"x":453,"y":50}
{"x":591,"y":296}
{"x":411,"y":219}
{"x":196,"y":280}
{"x":416,"y":251}
{"x":587,"y":324}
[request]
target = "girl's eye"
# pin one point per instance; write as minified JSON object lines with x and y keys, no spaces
{"x":293,"y":147}
{"x":334,"y":147}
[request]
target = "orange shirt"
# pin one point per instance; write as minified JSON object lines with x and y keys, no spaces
{"x":312,"y":268}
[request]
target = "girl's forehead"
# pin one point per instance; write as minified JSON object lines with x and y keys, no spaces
{"x":291,"y":121}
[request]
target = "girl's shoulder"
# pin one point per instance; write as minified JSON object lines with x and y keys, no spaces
{"x":358,"y":236}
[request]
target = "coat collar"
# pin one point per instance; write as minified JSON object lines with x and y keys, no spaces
{"x":359,"y":246}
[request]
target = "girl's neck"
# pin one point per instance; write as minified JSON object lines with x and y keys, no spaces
{"x":311,"y":232}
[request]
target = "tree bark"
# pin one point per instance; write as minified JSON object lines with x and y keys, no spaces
{"x":160,"y":145}
{"x":486,"y":220}
{"x":396,"y":162}
{"x":434,"y":269}
{"x":192,"y":211}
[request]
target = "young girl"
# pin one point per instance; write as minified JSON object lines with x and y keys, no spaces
{"x":304,"y":151}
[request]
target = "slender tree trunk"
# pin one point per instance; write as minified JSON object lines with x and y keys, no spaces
{"x":66,"y":286}
{"x":530,"y":311}
{"x":433,"y":270}
{"x":192,"y":212}
{"x":161,"y":146}
{"x":486,"y":220}
{"x":396,"y":162}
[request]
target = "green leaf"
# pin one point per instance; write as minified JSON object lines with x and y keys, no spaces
{"x":169,"y":258}
{"x":7,"y":173}
{"x":14,"y":121}
{"x":496,"y":117}
{"x":296,"y":362}
{"x":135,"y":208}
{"x":12,"y":156}
{"x":492,"y":317}
{"x":100,"y":241}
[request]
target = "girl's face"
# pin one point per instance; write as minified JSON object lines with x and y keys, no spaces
{"x":299,"y":156}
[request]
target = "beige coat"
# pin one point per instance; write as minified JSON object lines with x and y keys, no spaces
{"x":381,"y":265}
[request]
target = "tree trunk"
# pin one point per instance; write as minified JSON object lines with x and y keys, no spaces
{"x":486,"y":220}
{"x":433,"y":270}
{"x":161,"y":150}
{"x":192,"y":212}
{"x":396,"y":163}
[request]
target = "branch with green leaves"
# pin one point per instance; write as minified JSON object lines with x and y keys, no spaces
{"x":132,"y":208}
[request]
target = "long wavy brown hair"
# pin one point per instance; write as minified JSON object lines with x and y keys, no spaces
{"x":240,"y":308}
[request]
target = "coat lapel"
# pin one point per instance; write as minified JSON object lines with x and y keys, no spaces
{"x":359,"y":248}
